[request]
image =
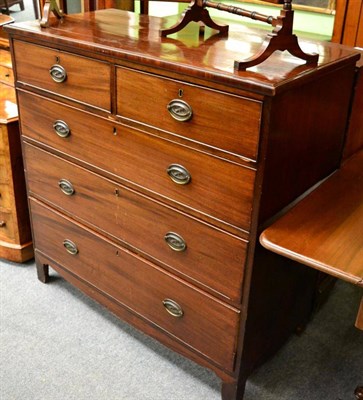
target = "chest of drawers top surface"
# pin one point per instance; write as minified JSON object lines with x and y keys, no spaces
{"x":136,"y":38}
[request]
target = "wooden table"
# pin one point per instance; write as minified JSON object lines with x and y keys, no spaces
{"x":324,"y":230}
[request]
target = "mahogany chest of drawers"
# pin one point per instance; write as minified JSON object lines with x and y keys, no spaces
{"x":152,"y":167}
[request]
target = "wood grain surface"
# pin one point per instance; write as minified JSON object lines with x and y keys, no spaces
{"x":324,"y":230}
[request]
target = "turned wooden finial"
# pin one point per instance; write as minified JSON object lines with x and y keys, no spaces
{"x":287,"y":5}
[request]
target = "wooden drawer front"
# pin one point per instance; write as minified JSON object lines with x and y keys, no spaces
{"x":6,"y":75}
{"x":87,"y":80}
{"x":4,"y":178}
{"x":6,"y":225}
{"x":208,"y":326}
{"x":217,"y":188}
{"x":218,"y":119}
{"x":211,"y":258}
{"x":5,"y":196}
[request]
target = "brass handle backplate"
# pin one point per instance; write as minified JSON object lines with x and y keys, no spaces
{"x":58,"y":73}
{"x":180,"y":110}
{"x":66,"y":187}
{"x":61,"y":128}
{"x":70,"y":246}
{"x":175,"y":241}
{"x":173,"y":308}
{"x":179,"y":174}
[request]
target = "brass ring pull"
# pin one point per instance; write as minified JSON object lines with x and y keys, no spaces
{"x":180,"y":110}
{"x":58,"y":73}
{"x":175,"y":241}
{"x":2,"y":224}
{"x":173,"y":308}
{"x":61,"y":128}
{"x":179,"y":174}
{"x":66,"y":187}
{"x":70,"y":247}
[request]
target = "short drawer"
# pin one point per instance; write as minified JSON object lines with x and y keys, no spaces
{"x":6,"y":225}
{"x":203,"y":323}
{"x":219,"y":120}
{"x":209,"y":185}
{"x":75,"y":77}
{"x":206,"y":255}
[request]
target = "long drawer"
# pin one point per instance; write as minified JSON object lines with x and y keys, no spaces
{"x":196,"y":250}
{"x":72,"y":76}
{"x":201,"y":322}
{"x":209,"y":185}
{"x":220,"y":120}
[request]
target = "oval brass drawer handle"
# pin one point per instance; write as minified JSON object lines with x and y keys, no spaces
{"x":66,"y":187}
{"x":2,"y":224}
{"x":58,"y":73}
{"x":70,"y":247}
{"x":175,"y":241}
{"x":180,"y":110}
{"x":61,"y":128}
{"x":179,"y":174}
{"x":173,"y":308}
